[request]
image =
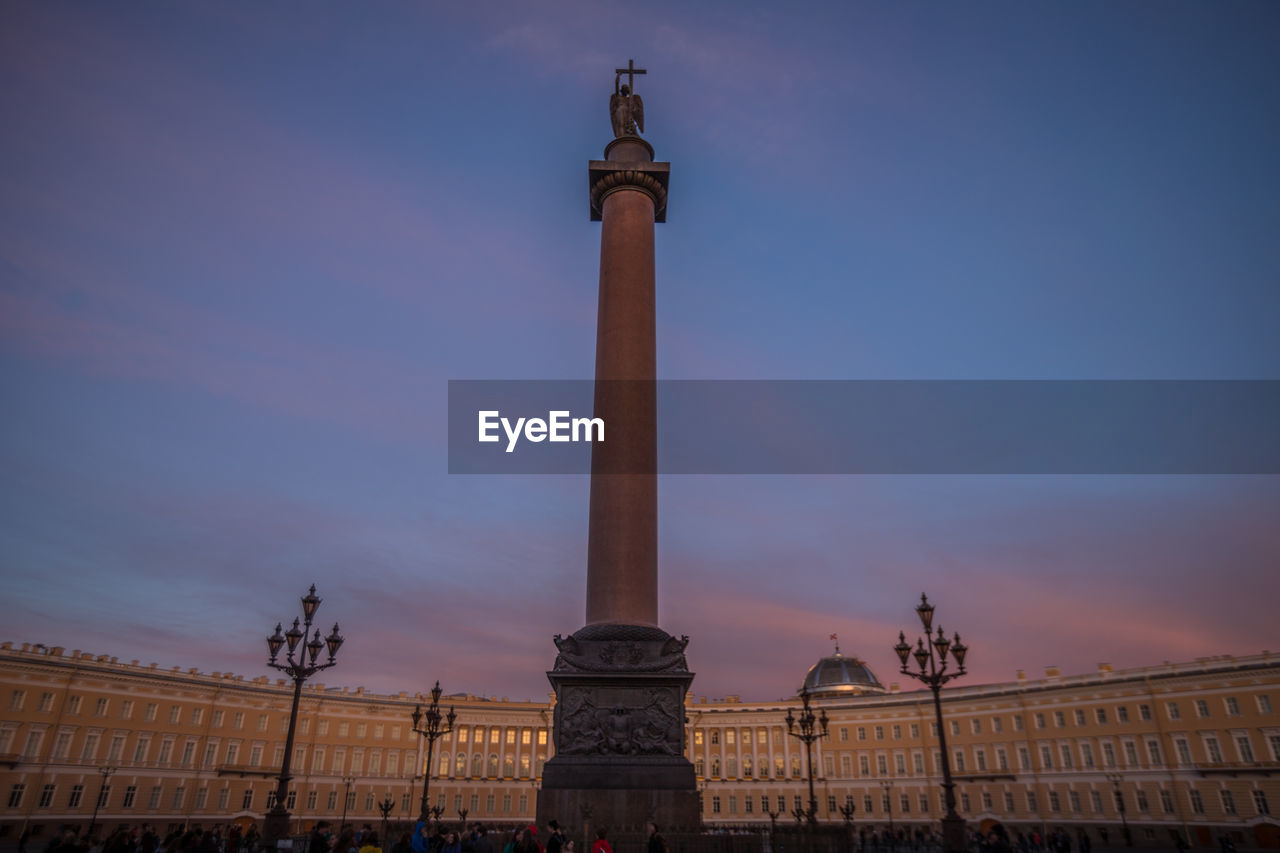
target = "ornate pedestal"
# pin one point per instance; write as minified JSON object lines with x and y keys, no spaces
{"x":619,"y":733}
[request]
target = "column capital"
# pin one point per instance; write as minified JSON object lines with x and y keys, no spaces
{"x":608,"y":176}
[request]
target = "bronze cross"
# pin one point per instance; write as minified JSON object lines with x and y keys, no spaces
{"x":631,"y":71}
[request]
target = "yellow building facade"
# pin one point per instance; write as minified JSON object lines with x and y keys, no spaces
{"x":1189,"y":747}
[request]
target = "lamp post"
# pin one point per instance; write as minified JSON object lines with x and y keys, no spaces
{"x":888,"y":805}
{"x":846,"y":812}
{"x":432,"y":726}
{"x":808,"y":728}
{"x":346,"y":800}
{"x":1114,"y":779}
{"x":931,"y":658}
{"x":462,"y":816}
{"x":300,"y":663}
{"x":386,"y":806}
{"x":106,"y":774}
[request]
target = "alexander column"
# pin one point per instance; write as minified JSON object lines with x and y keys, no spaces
{"x":620,"y":681}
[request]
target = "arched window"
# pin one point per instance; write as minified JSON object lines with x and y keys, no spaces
{"x":795,"y":766}
{"x":715,"y":735}
{"x":542,"y":759}
{"x":493,"y":765}
{"x":524,"y":765}
{"x":733,"y":767}
{"x":477,"y":766}
{"x":763,"y":764}
{"x":444,"y":765}
{"x":508,"y":767}
{"x":779,"y":769}
{"x":460,"y":766}
{"x":715,"y":766}
{"x":700,"y":767}
{"x":746,"y":766}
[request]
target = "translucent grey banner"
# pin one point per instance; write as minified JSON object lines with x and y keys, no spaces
{"x":878,"y":427}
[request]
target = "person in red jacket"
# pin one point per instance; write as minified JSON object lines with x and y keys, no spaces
{"x":602,"y":844}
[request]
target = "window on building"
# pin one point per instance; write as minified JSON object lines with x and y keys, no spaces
{"x":1008,"y":803}
{"x":130,"y":794}
{"x":246,"y":802}
{"x":76,"y":795}
{"x":1073,"y":798}
{"x":1095,"y":800}
{"x":1033,"y":805}
{"x":1039,"y":721}
{"x":15,"y":795}
{"x":1260,"y":804}
{"x":1059,"y":719}
{"x":959,"y":761}
{"x":1233,"y":706}
{"x":879,"y":732}
{"x":1166,"y":801}
{"x":1108,"y":754}
{"x":1214,"y":750}
{"x":1055,"y":804}
{"x":964,"y":803}
{"x":997,"y":725}
{"x":1100,"y":714}
{"x":1264,"y":703}
{"x":862,"y":732}
{"x":1143,"y":805}
{"x":1154,"y":754}
{"x":1122,"y":713}
{"x":1171,"y":708}
{"x":1130,"y":753}
{"x":1144,"y":712}
{"x":237,"y":720}
{"x":1228,"y":801}
{"x":1202,"y":708}
{"x":1197,"y":801}
{"x":46,"y":795}
{"x":715,"y":804}
{"x":17,"y":699}
{"x":897,"y":732}
{"x":1086,"y":753}
{"x":1244,"y":748}
{"x":955,"y":727}
{"x":915,"y":730}
{"x":1046,"y":758}
{"x":715,"y":736}
{"x":976,"y":725}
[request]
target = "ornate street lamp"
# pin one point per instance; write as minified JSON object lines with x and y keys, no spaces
{"x":106,"y":774}
{"x":888,"y":805}
{"x":386,"y":806}
{"x":1114,"y":779}
{"x":846,"y":812}
{"x":346,"y":800}
{"x":930,"y":656}
{"x":808,"y":728}
{"x":300,"y":663}
{"x":432,"y":726}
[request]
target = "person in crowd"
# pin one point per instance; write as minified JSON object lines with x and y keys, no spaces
{"x":369,"y":841}
{"x":601,"y":844}
{"x":656,"y":843}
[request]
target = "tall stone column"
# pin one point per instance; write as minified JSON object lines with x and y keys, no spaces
{"x":628,"y":194}
{"x":621,"y":681}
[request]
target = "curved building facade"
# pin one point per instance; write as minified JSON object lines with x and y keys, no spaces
{"x":1191,"y":748}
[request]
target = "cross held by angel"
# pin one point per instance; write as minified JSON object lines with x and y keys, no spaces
{"x":626,"y":109}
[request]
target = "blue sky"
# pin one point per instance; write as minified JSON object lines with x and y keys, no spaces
{"x":244,"y":247}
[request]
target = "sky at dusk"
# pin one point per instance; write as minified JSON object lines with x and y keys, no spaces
{"x":244,"y":247}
